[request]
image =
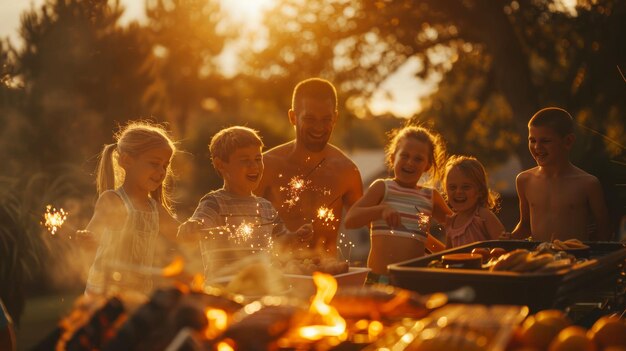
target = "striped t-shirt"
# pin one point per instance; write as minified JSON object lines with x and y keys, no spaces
{"x":415,"y":206}
{"x":235,"y":225}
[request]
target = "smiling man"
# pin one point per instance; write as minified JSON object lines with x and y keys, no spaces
{"x":307,"y":179}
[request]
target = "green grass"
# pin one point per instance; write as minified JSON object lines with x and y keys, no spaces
{"x":41,"y":315}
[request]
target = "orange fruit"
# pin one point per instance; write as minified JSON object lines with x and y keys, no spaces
{"x":608,"y":331}
{"x":553,"y":317}
{"x":572,"y":338}
{"x":538,"y":333}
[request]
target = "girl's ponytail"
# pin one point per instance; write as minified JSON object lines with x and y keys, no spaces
{"x":105,"y":173}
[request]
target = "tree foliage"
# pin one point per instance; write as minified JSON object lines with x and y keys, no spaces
{"x":500,"y":60}
{"x":83,"y":74}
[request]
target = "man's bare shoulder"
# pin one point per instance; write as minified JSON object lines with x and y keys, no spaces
{"x":278,"y":154}
{"x":279,"y":151}
{"x":340,"y":158}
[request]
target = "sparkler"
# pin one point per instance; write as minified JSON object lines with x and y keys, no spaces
{"x":298,"y":184}
{"x":295,"y":186}
{"x":242,"y":233}
{"x":423,"y":220}
{"x":344,"y":242}
{"x":54,"y":219}
{"x":326,"y":214}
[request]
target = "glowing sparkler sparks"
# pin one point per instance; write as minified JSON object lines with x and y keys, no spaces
{"x":325,"y":214}
{"x":423,"y":221}
{"x":54,"y":218}
{"x":294,"y":188}
{"x":243,"y":232}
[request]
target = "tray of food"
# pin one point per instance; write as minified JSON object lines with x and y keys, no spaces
{"x":540,"y":275}
{"x":456,"y":327}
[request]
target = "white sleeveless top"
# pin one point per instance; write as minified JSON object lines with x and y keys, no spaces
{"x":124,"y":255}
{"x":415,"y":206}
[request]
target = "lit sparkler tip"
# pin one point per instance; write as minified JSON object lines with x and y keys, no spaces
{"x":326,"y":214}
{"x":243,"y":232}
{"x":54,"y":218}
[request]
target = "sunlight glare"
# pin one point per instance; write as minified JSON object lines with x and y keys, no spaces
{"x":247,"y":11}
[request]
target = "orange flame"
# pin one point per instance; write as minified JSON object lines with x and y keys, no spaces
{"x":174,"y":268}
{"x":197,"y":283}
{"x":218,"y":322}
{"x":335,"y":324}
{"x":224,"y":346}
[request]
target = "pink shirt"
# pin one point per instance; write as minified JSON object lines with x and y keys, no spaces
{"x":472,"y":231}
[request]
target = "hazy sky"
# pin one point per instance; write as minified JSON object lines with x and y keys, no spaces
{"x":399,"y":94}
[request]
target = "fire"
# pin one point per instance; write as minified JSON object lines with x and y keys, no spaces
{"x":174,"y":268}
{"x":218,"y":322}
{"x":54,"y":219}
{"x":335,"y":324}
{"x":223,"y":346}
{"x":197,"y":283}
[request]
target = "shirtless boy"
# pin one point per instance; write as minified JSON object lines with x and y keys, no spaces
{"x":558,"y":200}
{"x":307,"y":174}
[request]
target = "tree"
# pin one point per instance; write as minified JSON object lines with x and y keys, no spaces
{"x":187,"y":37}
{"x":526,"y":54}
{"x":499,"y":62}
{"x":83,"y":74}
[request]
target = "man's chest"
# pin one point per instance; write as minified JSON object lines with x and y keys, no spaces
{"x":312,"y":183}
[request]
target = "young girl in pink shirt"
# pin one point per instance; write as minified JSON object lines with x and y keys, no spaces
{"x":472,"y":201}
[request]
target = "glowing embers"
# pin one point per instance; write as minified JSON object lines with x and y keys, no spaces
{"x":54,"y":219}
{"x":218,"y":322}
{"x":174,"y":268}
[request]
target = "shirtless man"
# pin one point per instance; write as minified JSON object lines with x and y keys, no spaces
{"x":558,"y":200}
{"x":308,"y":174}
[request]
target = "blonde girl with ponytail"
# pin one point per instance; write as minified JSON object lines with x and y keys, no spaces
{"x":134,"y":181}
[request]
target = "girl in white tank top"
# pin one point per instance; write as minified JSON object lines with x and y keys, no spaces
{"x":127,"y":220}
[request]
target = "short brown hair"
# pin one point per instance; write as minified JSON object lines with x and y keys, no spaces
{"x":227,"y":140}
{"x":555,"y":118}
{"x":316,"y":88}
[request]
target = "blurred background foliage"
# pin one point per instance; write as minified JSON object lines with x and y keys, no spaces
{"x":78,"y":73}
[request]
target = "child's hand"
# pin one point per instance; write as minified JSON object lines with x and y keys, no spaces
{"x":190,"y":227}
{"x":86,"y":239}
{"x":391,"y":216}
{"x":305,"y":233}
